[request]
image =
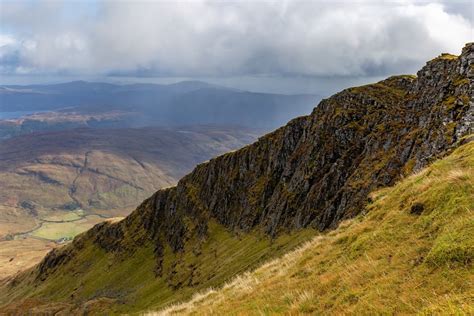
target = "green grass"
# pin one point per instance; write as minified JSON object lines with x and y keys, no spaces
{"x":446,"y":56}
{"x":55,"y":231}
{"x":389,"y":260}
{"x":129,"y":279}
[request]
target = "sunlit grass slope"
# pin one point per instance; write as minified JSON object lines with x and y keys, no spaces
{"x":130,"y":282}
{"x":412,"y":251}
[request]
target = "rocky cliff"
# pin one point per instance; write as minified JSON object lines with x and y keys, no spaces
{"x":311,"y":173}
{"x":318,"y":169}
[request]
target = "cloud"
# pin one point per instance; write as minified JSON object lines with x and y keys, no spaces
{"x":230,"y":38}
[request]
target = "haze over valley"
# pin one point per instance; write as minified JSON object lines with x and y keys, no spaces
{"x":89,"y":104}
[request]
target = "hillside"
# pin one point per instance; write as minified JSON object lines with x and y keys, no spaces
{"x":239,"y":209}
{"x":55,"y":185}
{"x":104,"y":170}
{"x":410,"y":251}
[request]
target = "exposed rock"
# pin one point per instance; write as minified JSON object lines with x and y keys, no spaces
{"x":417,"y":208}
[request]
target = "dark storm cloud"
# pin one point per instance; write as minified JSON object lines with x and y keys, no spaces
{"x":465,"y":8}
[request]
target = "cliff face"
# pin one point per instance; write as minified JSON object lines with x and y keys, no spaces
{"x":415,"y":242}
{"x":313,"y":172}
{"x":319,"y":169}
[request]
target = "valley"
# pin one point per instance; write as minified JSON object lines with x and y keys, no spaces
{"x":56,"y":185}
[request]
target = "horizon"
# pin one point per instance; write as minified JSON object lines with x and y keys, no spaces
{"x":269,"y":85}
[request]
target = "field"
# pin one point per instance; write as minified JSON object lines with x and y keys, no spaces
{"x":59,"y":217}
{"x":67,"y":229}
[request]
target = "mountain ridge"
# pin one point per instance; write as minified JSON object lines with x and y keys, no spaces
{"x":312,"y":173}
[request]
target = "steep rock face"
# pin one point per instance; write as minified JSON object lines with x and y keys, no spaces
{"x":313,"y":172}
{"x":415,"y":242}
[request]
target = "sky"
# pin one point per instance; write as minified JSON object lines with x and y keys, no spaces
{"x":280,"y":46}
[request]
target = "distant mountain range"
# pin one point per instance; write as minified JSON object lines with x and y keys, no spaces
{"x":183,"y":103}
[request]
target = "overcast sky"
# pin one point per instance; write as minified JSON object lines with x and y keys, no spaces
{"x":284,"y":46}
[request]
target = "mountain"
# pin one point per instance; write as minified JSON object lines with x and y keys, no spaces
{"x":233,"y":212}
{"x":409,"y":252}
{"x":183,"y":103}
{"x":55,"y":185}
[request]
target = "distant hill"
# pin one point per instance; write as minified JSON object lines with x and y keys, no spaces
{"x":183,"y":103}
{"x":105,"y":171}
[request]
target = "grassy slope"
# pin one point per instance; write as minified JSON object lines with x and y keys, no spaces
{"x":129,"y":279}
{"x":386,"y":261}
{"x":21,"y":254}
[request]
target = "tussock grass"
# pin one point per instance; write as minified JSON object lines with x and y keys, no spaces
{"x":387,"y":261}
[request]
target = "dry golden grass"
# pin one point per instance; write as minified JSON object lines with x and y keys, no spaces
{"x":388,"y":261}
{"x":21,"y":254}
